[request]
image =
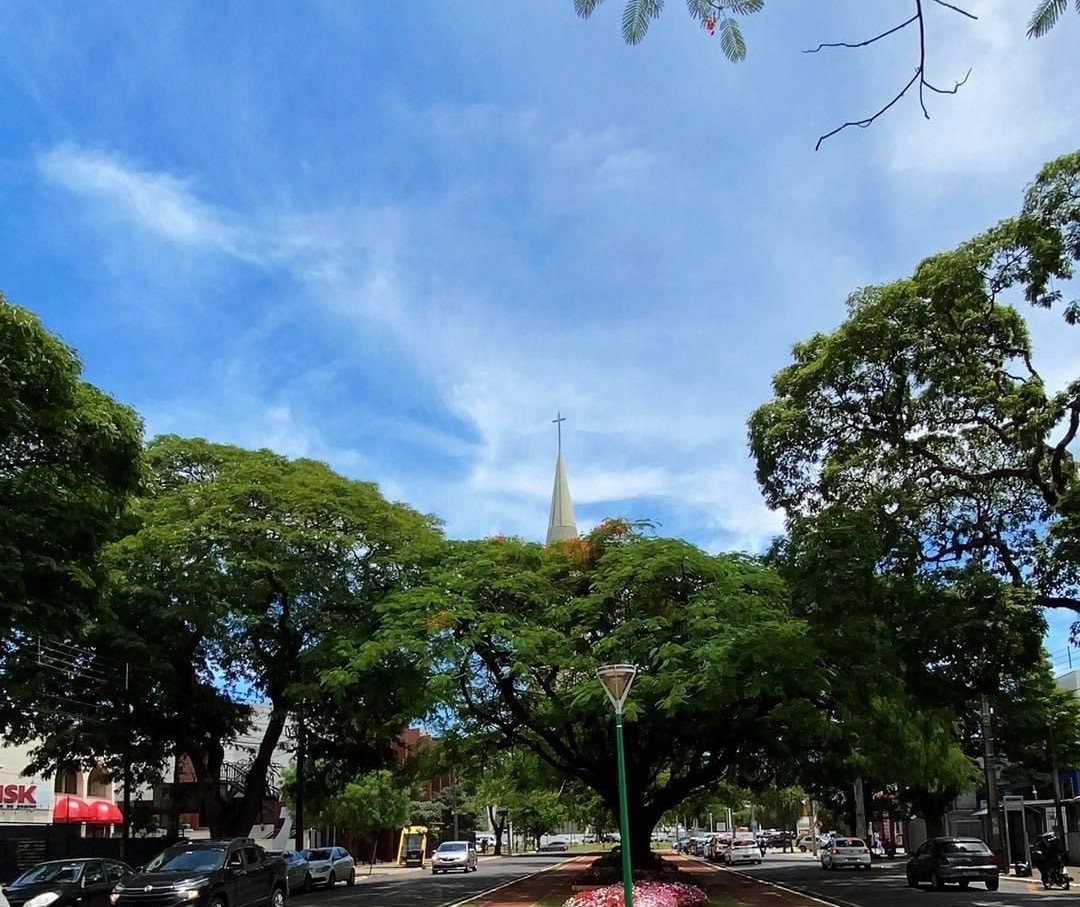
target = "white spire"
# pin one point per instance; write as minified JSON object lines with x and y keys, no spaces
{"x":561,"y":525}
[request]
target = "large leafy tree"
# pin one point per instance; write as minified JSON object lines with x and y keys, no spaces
{"x":516,"y":632}
{"x":69,"y":459}
{"x":247,"y":575}
{"x":924,"y":418}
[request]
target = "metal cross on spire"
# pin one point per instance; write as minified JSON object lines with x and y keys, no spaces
{"x":558,"y":420}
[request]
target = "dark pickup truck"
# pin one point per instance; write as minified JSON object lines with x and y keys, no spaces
{"x":234,"y":873}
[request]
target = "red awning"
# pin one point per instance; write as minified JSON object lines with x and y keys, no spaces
{"x":105,"y":812}
{"x":70,"y":809}
{"x":93,"y":812}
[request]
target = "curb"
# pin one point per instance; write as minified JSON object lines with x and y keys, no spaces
{"x":483,"y":894}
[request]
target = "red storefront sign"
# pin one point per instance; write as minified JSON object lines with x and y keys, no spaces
{"x":19,"y":796}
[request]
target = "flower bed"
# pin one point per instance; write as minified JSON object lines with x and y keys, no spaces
{"x":646,"y":894}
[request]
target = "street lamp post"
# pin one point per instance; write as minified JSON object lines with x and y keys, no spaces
{"x":617,"y":680}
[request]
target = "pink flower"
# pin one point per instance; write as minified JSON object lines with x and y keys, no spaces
{"x":646,"y":894}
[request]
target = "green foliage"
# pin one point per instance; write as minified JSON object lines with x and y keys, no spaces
{"x":1046,"y":16}
{"x":69,"y":459}
{"x":368,"y":804}
{"x":515,"y":632}
{"x":710,"y":14}
{"x":923,"y":414}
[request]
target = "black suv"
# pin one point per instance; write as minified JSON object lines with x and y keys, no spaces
{"x":235,"y":873}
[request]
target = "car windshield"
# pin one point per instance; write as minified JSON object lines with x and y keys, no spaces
{"x":60,"y":873}
{"x":745,"y":842}
{"x":316,"y":855}
{"x":195,"y":859}
{"x":848,"y":842}
{"x":964,"y":847}
{"x":452,"y":845}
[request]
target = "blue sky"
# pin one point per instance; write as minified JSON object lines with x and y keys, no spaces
{"x":399,"y":236}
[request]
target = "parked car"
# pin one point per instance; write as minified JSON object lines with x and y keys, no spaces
{"x":297,"y":869}
{"x":743,"y":849}
{"x":60,"y":883}
{"x":806,"y":843}
{"x":454,"y":855}
{"x":207,"y":873}
{"x":941,"y":861}
{"x":556,"y":846}
{"x":330,"y":865}
{"x":850,"y":852}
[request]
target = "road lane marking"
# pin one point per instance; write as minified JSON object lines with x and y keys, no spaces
{"x":829,"y":902}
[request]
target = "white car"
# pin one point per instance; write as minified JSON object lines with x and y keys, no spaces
{"x":807,"y":843}
{"x":330,"y":865}
{"x":850,"y":852}
{"x":454,"y":855}
{"x":742,"y":850}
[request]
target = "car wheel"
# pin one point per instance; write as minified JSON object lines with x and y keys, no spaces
{"x":935,"y":881}
{"x":352,"y":877}
{"x":991,"y":884}
{"x":434,"y":872}
{"x":277,"y":898}
{"x":332,"y":881}
{"x":218,"y":902}
{"x":802,"y":849}
{"x":912,"y":882}
{"x":307,"y":883}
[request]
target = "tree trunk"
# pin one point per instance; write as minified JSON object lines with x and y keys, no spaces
{"x":498,"y":828}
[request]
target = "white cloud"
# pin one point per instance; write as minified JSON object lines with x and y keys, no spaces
{"x":156,"y":202}
{"x":1007,"y":118}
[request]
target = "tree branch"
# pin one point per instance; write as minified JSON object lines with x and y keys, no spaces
{"x":868,"y":41}
{"x":920,"y":70}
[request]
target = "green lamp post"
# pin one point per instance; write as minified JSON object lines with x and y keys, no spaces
{"x":617,"y":680}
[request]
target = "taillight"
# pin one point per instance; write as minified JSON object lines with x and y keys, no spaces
{"x":866,"y":850}
{"x":835,"y":852}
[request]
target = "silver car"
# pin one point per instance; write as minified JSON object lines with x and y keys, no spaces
{"x":454,"y":855}
{"x":330,"y":865}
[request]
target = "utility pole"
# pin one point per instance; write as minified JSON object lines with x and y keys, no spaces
{"x":301,"y":761}
{"x":990,"y":767}
{"x":860,"y":810}
{"x":126,"y":827}
{"x":1059,"y":813}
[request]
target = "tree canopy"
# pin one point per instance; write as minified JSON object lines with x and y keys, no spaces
{"x":69,"y":459}
{"x":515,"y":632}
{"x":924,"y":414}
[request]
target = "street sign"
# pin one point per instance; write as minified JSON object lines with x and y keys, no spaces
{"x":26,"y":797}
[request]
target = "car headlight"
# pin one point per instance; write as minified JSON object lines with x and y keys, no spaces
{"x":43,"y":900}
{"x":190,"y":894}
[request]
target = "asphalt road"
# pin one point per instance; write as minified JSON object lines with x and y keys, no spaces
{"x":419,"y":888}
{"x":885,"y":886}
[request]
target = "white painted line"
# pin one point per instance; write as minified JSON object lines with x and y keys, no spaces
{"x":836,"y":902}
{"x":531,"y":875}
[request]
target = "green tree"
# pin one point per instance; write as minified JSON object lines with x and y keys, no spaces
{"x":924,"y":418}
{"x":373,"y":802}
{"x":515,"y":632}
{"x":69,"y":459}
{"x":268,"y":572}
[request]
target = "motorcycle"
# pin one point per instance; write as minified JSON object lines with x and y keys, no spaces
{"x":1057,"y":877}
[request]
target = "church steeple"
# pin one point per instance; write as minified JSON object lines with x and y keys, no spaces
{"x":561,"y":525}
